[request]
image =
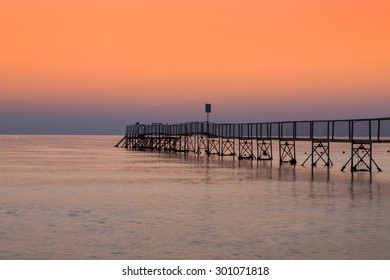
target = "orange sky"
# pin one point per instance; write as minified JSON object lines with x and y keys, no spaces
{"x":241,"y":55}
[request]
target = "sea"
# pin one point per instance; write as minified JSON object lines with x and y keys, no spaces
{"x":78,"y":197}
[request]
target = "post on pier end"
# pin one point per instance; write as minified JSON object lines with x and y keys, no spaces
{"x":320,"y":150}
{"x":264,"y":149}
{"x":287,"y":151}
{"x":207,"y":110}
{"x":361,"y":157}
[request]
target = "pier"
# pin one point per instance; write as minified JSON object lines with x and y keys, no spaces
{"x":254,"y":141}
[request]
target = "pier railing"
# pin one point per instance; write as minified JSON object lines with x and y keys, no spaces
{"x":370,"y":130}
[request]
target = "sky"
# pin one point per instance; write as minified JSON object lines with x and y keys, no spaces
{"x":93,"y":66}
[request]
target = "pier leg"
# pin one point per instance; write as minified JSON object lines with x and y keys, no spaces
{"x":178,"y":143}
{"x":140,"y":143}
{"x":150,"y":143}
{"x":191,"y":143}
{"x":320,"y":151}
{"x":123,"y":139}
{"x":362,"y":152}
{"x":245,"y":149}
{"x":132,"y":143}
{"x":127,"y":144}
{"x":214,"y":146}
{"x":173,"y":144}
{"x":228,"y":147}
{"x":202,"y":143}
{"x":287,"y":152}
{"x":164,"y":143}
{"x":168,"y":143}
{"x":264,"y":149}
{"x":159,"y":143}
{"x":182,"y":144}
{"x":154,"y":143}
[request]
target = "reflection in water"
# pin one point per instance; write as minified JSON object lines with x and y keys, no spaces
{"x":76,"y":197}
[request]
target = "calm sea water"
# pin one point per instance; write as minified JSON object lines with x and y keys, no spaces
{"x":77,"y":197}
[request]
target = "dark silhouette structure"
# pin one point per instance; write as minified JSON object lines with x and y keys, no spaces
{"x":254,"y":140}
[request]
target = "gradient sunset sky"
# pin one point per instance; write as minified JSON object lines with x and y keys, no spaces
{"x":93,"y":66}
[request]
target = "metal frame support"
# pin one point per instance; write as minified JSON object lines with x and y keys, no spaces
{"x":214,"y":146}
{"x":127,"y":144}
{"x":202,"y":144}
{"x":196,"y":137}
{"x":190,"y":143}
{"x":180,"y":144}
{"x":287,"y":151}
{"x":245,"y":149}
{"x":321,"y":150}
{"x":227,"y":147}
{"x":264,"y":149}
{"x":362,"y":152}
{"x":173,"y":144}
{"x":141,"y":143}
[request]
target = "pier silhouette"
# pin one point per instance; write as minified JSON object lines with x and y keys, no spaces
{"x":254,"y":141}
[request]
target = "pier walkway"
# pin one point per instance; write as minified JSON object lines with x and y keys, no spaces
{"x":253,"y":141}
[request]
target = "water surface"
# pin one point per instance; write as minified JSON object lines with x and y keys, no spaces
{"x":77,"y":197}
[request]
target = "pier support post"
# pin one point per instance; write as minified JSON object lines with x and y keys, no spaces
{"x":127,"y":144}
{"x":180,"y":144}
{"x":264,"y":149}
{"x":174,"y":143}
{"x":168,"y":144}
{"x":164,"y":143}
{"x":287,"y":151}
{"x":156,"y":142}
{"x":132,"y":143}
{"x":159,"y":143}
{"x":245,"y":149}
{"x":140,"y":143}
{"x":190,"y":143}
{"x":149,"y":143}
{"x":214,"y":147}
{"x":228,"y":147}
{"x":319,"y":151}
{"x":202,"y":144}
{"x":362,"y":153}
{"x":124,"y":138}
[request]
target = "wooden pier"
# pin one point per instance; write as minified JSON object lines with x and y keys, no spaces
{"x":253,"y":141}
